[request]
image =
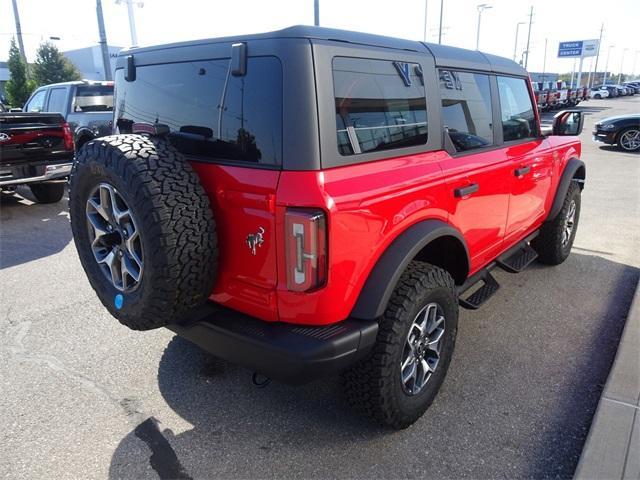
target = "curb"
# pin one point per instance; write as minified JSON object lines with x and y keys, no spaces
{"x":615,"y":431}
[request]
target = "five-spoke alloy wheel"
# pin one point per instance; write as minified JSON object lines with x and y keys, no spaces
{"x":115,"y":240}
{"x":630,"y":140}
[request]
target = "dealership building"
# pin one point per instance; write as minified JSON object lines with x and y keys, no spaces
{"x":88,"y":61}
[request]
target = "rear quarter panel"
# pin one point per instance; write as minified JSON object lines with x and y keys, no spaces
{"x":368,"y":206}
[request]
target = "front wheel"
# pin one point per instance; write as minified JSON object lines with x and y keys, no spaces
{"x":629,"y":139}
{"x":402,"y":374}
{"x":556,"y":237}
{"x":597,"y":96}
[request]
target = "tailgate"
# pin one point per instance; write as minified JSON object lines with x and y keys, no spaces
{"x":30,"y":137}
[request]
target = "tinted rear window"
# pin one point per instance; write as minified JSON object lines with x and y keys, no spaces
{"x":209,"y":112}
{"x":380,"y":105}
{"x":93,"y":98}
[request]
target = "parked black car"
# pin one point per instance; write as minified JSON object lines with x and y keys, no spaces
{"x":623,"y":130}
{"x":87,"y":106}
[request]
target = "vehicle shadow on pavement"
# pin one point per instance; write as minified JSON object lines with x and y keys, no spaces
{"x":518,"y":400}
{"x":29,"y":230}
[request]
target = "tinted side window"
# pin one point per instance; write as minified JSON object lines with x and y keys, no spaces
{"x":518,"y":119}
{"x":466,"y":109}
{"x":209,"y":112}
{"x":380,"y":105}
{"x":57,"y":99}
{"x":37,"y":102}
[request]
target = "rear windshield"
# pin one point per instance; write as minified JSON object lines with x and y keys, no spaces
{"x":380,"y":105}
{"x":209,"y":112}
{"x":93,"y":98}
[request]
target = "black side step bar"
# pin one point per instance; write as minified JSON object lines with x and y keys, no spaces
{"x":514,"y":260}
{"x":481,"y":295}
{"x":518,"y":260}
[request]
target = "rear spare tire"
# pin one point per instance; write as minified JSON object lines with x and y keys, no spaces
{"x":143,"y":228}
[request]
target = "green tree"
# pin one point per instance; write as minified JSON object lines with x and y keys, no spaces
{"x":52,"y":67}
{"x":18,"y":88}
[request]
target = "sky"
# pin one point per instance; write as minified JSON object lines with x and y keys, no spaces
{"x":164,"y":21}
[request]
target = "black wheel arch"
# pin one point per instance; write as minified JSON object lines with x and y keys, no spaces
{"x":574,"y":170}
{"x":82,"y":135}
{"x":433,"y":241}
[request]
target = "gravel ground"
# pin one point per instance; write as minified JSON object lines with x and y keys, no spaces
{"x":84,"y":397}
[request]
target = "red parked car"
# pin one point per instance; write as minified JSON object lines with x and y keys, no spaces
{"x":310,"y":201}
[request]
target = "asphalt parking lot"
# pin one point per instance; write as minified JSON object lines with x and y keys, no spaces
{"x":84,"y":397}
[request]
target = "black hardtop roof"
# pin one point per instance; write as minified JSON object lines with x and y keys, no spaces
{"x":445,"y":56}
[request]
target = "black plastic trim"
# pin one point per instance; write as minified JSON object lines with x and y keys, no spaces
{"x":293,"y":354}
{"x":573,"y":165}
{"x":384,"y":277}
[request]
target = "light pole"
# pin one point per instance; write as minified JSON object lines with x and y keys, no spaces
{"x":635,"y":59}
{"x":481,"y":8}
{"x":606,"y":64}
{"x":440,"y":29}
{"x":424,"y":32}
{"x":316,"y":12}
{"x":515,"y":46}
{"x":621,"y":63}
{"x":526,"y":59}
{"x":132,"y":20}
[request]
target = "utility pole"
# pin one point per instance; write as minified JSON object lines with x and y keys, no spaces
{"x":606,"y":65}
{"x":106,"y":63}
{"x":482,"y":7}
{"x":424,"y":32}
{"x":595,"y":68}
{"x":316,"y":13}
{"x":515,"y":46}
{"x":544,"y":61}
{"x":440,"y":29}
{"x":16,"y":16}
{"x":621,"y":64}
{"x":526,"y":59}
{"x":132,"y":19}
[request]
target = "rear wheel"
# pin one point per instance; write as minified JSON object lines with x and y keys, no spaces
{"x":629,"y":139}
{"x":556,"y":237}
{"x":47,"y":192}
{"x":401,"y":376}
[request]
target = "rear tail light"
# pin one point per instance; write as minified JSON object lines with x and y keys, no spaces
{"x":68,"y":136}
{"x":306,"y":249}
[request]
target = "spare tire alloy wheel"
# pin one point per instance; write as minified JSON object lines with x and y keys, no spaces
{"x":115,"y":239}
{"x":422,"y":349}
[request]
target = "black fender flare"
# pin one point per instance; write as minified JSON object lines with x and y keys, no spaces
{"x":569,"y":173}
{"x":383,"y":278}
{"x":83,"y":132}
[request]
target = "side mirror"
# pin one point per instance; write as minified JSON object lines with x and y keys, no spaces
{"x":568,"y":122}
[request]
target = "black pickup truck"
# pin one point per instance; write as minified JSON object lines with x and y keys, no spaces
{"x":36,"y":149}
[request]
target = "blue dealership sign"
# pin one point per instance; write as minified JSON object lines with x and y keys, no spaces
{"x":570,"y":49}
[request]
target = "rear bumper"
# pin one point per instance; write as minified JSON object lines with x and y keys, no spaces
{"x":292,"y":354}
{"x":41,"y":173}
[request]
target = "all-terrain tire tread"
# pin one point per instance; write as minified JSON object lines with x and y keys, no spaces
{"x":180,"y":246}
{"x":548,"y":244}
{"x":364,"y":384}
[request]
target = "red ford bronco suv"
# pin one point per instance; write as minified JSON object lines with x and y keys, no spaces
{"x":313,"y":201}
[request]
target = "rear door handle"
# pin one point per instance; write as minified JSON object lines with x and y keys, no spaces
{"x":522,"y":171}
{"x":464,"y":191}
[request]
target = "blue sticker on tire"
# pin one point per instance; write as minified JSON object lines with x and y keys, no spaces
{"x":118,"y":301}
